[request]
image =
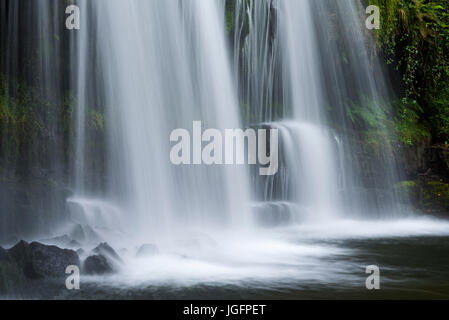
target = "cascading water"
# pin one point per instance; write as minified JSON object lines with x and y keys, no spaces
{"x":30,"y":46}
{"x":297,"y":77}
{"x":168,"y":66}
{"x":139,"y":69}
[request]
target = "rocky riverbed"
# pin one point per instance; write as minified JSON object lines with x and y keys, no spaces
{"x":26,"y":262}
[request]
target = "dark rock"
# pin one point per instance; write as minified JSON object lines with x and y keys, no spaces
{"x":428,"y":194}
{"x":147,"y":250}
{"x":21,"y":253}
{"x":106,"y":250}
{"x":97,"y":264}
{"x":273,"y":214}
{"x":39,"y":173}
{"x":423,"y":159}
{"x":39,"y":261}
{"x":11,"y":274}
{"x":27,"y":206}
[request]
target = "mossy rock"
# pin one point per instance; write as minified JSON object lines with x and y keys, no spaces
{"x":428,"y":195}
{"x":436,"y":195}
{"x":409,"y":190}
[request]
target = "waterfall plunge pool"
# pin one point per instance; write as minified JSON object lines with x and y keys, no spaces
{"x":309,"y":261}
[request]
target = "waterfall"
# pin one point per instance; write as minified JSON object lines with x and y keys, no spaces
{"x":140,"y":69}
{"x":291,"y":80}
{"x":86,"y":124}
{"x":32,"y":146}
{"x":167,"y":65}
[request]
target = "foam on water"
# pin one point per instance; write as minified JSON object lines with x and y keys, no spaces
{"x":282,"y":256}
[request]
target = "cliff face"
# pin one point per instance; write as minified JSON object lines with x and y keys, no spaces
{"x":427,"y":173}
{"x":37,"y":114}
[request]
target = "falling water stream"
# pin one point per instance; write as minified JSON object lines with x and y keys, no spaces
{"x":157,"y":66}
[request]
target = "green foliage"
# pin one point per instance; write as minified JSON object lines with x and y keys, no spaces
{"x":406,"y":184}
{"x":229,"y":21}
{"x":436,"y":193}
{"x":411,"y":189}
{"x":372,"y":119}
{"x":414,"y":35}
{"x":429,"y":195}
{"x":371,"y":114}
{"x":408,"y":129}
{"x":34,"y":124}
{"x":381,"y":127}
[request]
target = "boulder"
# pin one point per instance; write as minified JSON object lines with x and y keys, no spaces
{"x":11,"y":274}
{"x":97,"y":265}
{"x":38,"y":261}
{"x":146,"y":250}
{"x":106,"y":250}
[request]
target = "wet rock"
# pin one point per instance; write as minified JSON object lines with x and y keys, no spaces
{"x":427,"y":193}
{"x":27,"y":206}
{"x":146,"y":250}
{"x":39,"y":173}
{"x":275,"y":214}
{"x":11,"y":274}
{"x":21,"y":253}
{"x":106,"y":250}
{"x":96,"y":265}
{"x":38,"y":261}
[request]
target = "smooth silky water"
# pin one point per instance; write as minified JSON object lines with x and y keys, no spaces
{"x":161,"y":65}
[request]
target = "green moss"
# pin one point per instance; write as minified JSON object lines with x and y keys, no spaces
{"x":374,"y":122}
{"x":414,"y":36}
{"x":409,"y":188}
{"x":407,"y":184}
{"x":229,"y":21}
{"x":436,"y":194}
{"x":407,"y":126}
